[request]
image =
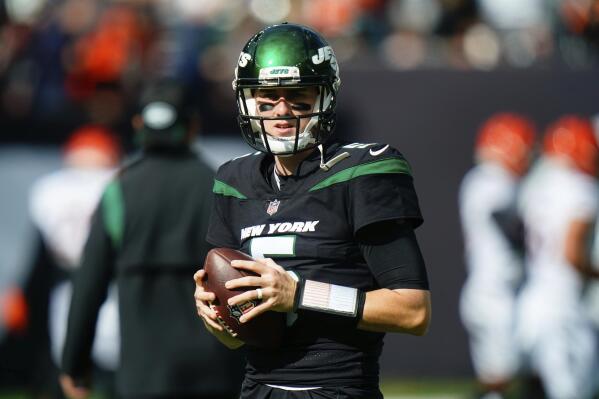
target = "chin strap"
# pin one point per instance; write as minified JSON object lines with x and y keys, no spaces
{"x":335,"y":160}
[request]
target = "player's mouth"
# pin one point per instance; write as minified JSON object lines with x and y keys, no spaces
{"x":284,"y":129}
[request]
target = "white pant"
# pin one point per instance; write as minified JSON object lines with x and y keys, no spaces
{"x":558,"y":343}
{"x":488,"y":314}
{"x":106,"y":347}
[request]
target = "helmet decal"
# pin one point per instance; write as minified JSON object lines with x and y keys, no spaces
{"x":244,"y":58}
{"x":272,"y":75}
{"x":324,"y":54}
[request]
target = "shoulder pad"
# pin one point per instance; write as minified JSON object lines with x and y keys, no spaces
{"x":370,"y":150}
{"x":364,"y":159}
{"x":233,"y":175}
{"x":362,"y":153}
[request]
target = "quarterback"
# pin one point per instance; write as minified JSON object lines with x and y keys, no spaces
{"x":330,"y":224}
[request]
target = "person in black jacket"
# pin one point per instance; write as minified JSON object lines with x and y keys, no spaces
{"x":148,"y":234}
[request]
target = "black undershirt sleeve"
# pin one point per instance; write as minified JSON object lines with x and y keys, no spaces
{"x":392,"y":252}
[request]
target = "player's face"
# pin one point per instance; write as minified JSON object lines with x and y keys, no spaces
{"x":285,"y":102}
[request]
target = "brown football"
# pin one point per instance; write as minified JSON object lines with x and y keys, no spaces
{"x":265,"y":330}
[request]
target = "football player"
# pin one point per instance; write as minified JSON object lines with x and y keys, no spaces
{"x":330,"y":226}
{"x":493,"y":248}
{"x":61,"y":205}
{"x":558,"y":204}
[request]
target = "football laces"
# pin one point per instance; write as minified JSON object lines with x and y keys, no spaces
{"x":222,"y":322}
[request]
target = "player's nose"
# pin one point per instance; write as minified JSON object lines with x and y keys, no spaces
{"x":282,"y":108}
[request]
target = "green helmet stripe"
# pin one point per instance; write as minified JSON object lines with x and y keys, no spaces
{"x":280,"y":50}
{"x":385,"y":166}
{"x":222,"y":188}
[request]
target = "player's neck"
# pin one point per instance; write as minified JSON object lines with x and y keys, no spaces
{"x":287,"y":166}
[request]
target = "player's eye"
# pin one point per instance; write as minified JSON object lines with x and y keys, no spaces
{"x":301,"y":106}
{"x":264,"y":107}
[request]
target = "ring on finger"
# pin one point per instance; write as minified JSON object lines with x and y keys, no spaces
{"x":259,"y":292}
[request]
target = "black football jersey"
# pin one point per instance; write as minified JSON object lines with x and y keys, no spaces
{"x":309,"y":225}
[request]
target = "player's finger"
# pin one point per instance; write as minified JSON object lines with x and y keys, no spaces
{"x":270,"y":263}
{"x":246,"y":297}
{"x":204,"y":308}
{"x":250,"y":265}
{"x":199,"y":276}
{"x":247,"y":281}
{"x":258,"y":310}
{"x":212,"y":323}
{"x":209,"y":315}
{"x":202,"y":301}
{"x":205,"y":296}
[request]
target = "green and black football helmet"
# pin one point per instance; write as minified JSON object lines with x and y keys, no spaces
{"x":290,"y":56}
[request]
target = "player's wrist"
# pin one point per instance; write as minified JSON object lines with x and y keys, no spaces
{"x":295,"y":277}
{"x":344,"y":303}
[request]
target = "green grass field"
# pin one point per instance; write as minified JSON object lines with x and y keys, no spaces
{"x":392,"y":389}
{"x":426,"y":388}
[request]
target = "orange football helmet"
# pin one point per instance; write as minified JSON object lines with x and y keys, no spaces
{"x":507,"y":138}
{"x":572,"y":137}
{"x":92,"y":144}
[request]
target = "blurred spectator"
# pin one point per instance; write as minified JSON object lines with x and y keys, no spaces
{"x":577,"y":32}
{"x":408,"y":46}
{"x":493,"y":241}
{"x":558,"y":204}
{"x":67,"y":61}
{"x":522,"y":29}
{"x":148,"y":236}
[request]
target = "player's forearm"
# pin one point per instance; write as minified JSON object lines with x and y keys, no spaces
{"x":401,"y":310}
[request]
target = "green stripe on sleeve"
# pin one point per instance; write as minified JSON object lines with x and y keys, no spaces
{"x":392,"y":165}
{"x":114,"y":213}
{"x":226,"y":190}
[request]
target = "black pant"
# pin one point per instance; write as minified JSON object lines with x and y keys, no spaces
{"x":253,"y":390}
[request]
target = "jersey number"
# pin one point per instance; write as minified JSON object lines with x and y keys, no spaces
{"x":272,"y":247}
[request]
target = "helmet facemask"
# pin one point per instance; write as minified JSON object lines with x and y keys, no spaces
{"x":321,"y":122}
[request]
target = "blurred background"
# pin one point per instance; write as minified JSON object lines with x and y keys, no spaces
{"x":421,"y":75}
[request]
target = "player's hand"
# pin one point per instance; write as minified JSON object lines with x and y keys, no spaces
{"x":209,"y":315}
{"x":277,"y":287}
{"x":203,"y":299}
{"x":71,"y":390}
